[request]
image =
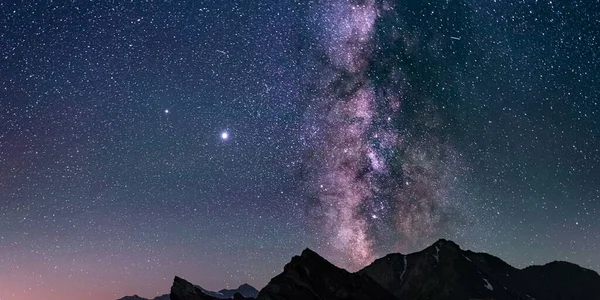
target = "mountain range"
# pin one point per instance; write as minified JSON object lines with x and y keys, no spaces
{"x":442,"y":271}
{"x":136,"y":297}
{"x":244,"y":290}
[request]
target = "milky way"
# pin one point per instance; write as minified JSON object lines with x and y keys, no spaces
{"x":382,"y":178}
{"x":214,"y":140}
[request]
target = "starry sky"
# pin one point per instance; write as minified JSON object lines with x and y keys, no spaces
{"x":214,"y":140}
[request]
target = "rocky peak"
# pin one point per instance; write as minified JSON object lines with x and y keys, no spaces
{"x":444,"y":271}
{"x":309,"y":255}
{"x":441,"y":271}
{"x":134,"y":297}
{"x":183,"y":290}
{"x":245,"y":290}
{"x":311,"y":277}
{"x":447,"y":244}
{"x":444,"y":246}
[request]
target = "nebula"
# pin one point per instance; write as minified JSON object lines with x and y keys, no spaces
{"x":380,"y":167}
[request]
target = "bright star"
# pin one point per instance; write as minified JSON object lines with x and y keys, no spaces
{"x":224,"y":135}
{"x":166,"y":111}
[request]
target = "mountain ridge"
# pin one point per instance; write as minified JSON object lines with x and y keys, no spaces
{"x":245,"y":290}
{"x":445,"y":271}
{"x":441,"y":271}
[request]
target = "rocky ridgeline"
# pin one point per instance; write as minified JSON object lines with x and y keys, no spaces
{"x":442,"y":271}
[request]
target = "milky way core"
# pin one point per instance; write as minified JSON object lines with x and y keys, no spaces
{"x":382,"y":176}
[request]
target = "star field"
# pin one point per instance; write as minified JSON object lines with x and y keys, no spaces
{"x":213,"y":140}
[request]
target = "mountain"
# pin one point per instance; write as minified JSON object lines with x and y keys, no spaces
{"x":442,"y":271}
{"x":245,"y":290}
{"x":445,"y":271}
{"x":136,"y":297}
{"x":311,"y":277}
{"x":183,"y":290}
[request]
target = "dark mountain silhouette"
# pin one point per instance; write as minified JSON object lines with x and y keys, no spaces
{"x":183,"y":290}
{"x":442,"y":271}
{"x":245,"y":291}
{"x":309,"y":276}
{"x":136,"y":297}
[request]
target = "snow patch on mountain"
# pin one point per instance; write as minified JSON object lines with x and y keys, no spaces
{"x":488,"y":285}
{"x":403,"y":269}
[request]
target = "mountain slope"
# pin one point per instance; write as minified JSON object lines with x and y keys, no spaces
{"x":183,"y":290}
{"x":309,"y":276}
{"x":561,"y":280}
{"x":444,"y":271}
{"x":245,"y":290}
{"x":441,"y":271}
{"x":136,"y":297}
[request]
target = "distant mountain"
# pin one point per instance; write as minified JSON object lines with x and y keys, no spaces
{"x":183,"y":290}
{"x":442,"y":271}
{"x":136,"y":297}
{"x":245,"y":290}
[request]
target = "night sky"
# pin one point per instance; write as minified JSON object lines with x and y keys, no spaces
{"x":214,"y":140}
